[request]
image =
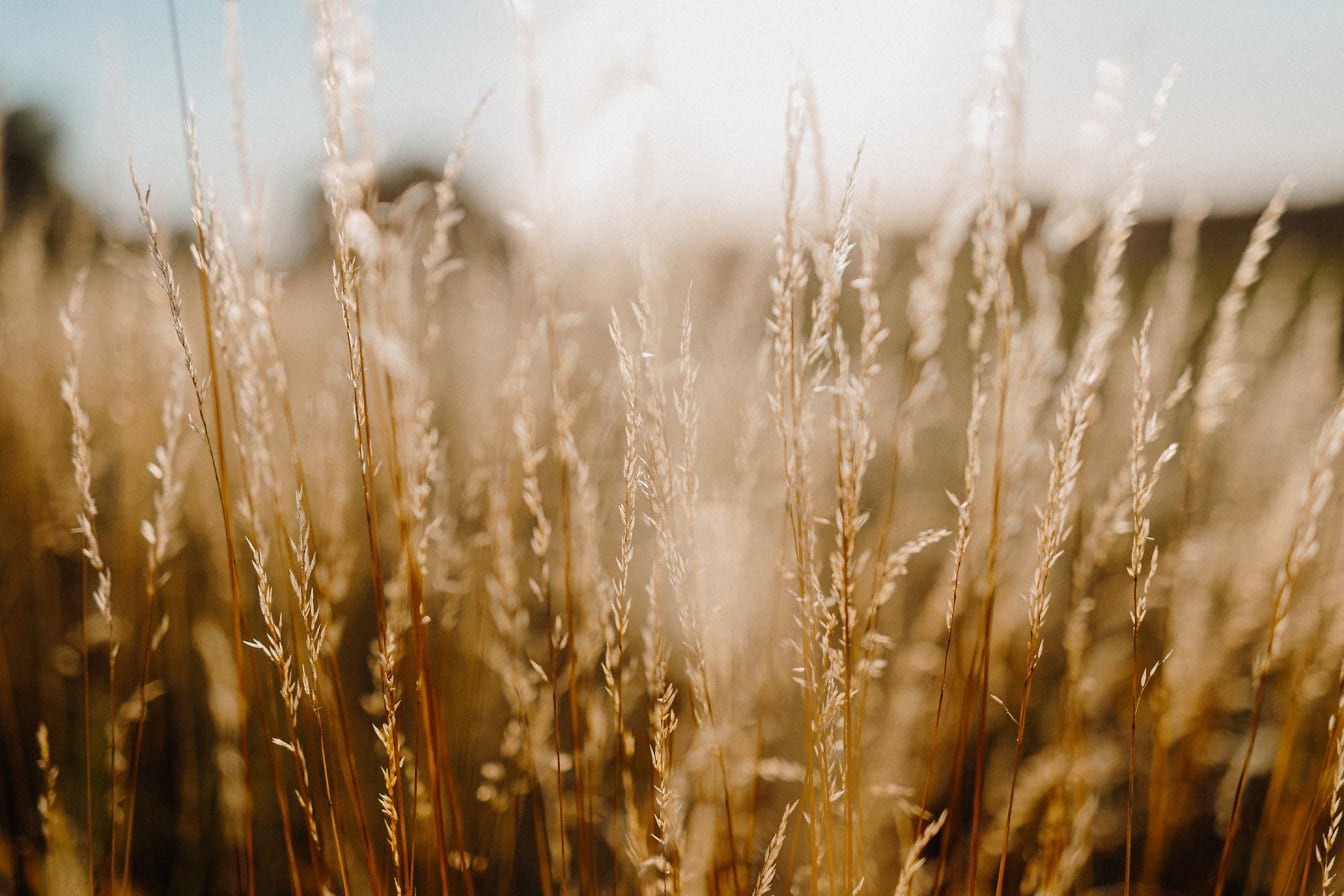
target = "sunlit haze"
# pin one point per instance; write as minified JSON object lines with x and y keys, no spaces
{"x":673,"y":113}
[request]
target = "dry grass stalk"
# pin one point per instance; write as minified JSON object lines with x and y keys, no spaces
{"x":766,"y":881}
{"x":72,"y":328}
{"x":1325,"y":851}
{"x":992,"y":238}
{"x":291,"y":694}
{"x":159,"y":534}
{"x":1302,"y":547}
{"x":1143,"y":481}
{"x":1103,"y":317}
{"x":1220,"y":382}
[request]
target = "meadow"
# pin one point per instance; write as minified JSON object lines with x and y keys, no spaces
{"x":1003,"y":559}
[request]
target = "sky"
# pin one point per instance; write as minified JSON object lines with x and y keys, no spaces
{"x":674,"y":111}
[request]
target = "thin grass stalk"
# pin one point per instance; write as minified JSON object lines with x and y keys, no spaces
{"x":999,"y":287}
{"x":854,"y":447}
{"x":347,"y":292}
{"x":314,"y":627}
{"x":960,"y":746}
{"x":914,"y":856}
{"x":220,"y":462}
{"x":524,"y":428}
{"x":686,"y":487}
{"x":1332,"y":781}
{"x":980,"y":301}
{"x":672,"y":489}
{"x":1221,"y":379}
{"x":252,"y":218}
{"x":926,"y":312}
{"x":567,"y":456}
{"x":1295,"y":864}
{"x":282,"y":803}
{"x":426,"y":699}
{"x":521,"y":676}
{"x":273,"y":648}
{"x":1143,"y":481}
{"x":72,"y":328}
{"x":1293,"y":867}
{"x":1065,"y":462}
{"x":614,"y":660}
{"x":235,"y":585}
{"x":341,"y":188}
{"x":392,"y":800}
{"x":786,"y":286}
{"x":667,"y":805}
{"x":88,"y":746}
{"x":992,"y":241}
{"x":766,"y":880}
{"x":158,"y":534}
{"x":970,"y":475}
{"x":1302,"y":546}
{"x":1272,"y":810}
{"x":48,"y":805}
{"x":1103,"y":315}
{"x":544,"y":290}
{"x":349,"y":773}
{"x":218,"y":456}
{"x":1178,"y":289}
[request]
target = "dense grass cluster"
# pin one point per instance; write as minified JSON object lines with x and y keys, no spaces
{"x":456,"y":563}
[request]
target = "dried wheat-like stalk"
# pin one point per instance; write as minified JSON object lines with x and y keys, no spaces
{"x":438,"y":260}
{"x":1143,"y":480}
{"x":960,"y":546}
{"x":1065,"y":456}
{"x":1103,"y":316}
{"x":47,"y":804}
{"x":73,"y":330}
{"x":788,"y":402}
{"x":914,"y":858}
{"x":1220,"y":378}
{"x":1303,"y":545}
{"x":291,"y":694}
{"x":1325,"y":851}
{"x":557,"y":638}
{"x":668,"y":806}
{"x":855,"y":447}
{"x":60,"y":867}
{"x":163,"y":273}
{"x":997,"y":228}
{"x":614,"y":669}
{"x":392,"y":799}
{"x":766,"y":881}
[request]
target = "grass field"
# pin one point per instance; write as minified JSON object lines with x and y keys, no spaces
{"x":1007,"y":559}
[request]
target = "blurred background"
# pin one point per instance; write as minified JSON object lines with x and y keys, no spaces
{"x":681,"y":105}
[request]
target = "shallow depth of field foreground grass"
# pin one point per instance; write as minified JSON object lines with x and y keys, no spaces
{"x":452,"y":562}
